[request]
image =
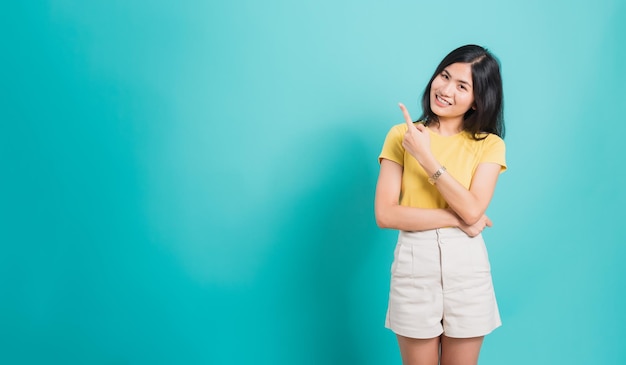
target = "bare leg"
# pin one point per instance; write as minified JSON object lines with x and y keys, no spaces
{"x":419,"y":351}
{"x":460,"y":351}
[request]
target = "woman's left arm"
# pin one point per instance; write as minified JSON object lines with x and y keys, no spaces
{"x":469,"y":204}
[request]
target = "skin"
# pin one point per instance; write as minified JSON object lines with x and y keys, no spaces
{"x":451,"y":97}
{"x":454,"y":351}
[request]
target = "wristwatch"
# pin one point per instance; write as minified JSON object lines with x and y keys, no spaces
{"x":433,"y":179}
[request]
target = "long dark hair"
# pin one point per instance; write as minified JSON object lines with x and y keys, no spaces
{"x":487,"y":85}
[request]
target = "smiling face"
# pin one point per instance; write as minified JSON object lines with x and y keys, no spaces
{"x":452,"y":93}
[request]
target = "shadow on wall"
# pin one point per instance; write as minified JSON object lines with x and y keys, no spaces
{"x":328,"y":231}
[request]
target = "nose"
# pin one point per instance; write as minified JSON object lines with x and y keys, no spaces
{"x":447,"y":89}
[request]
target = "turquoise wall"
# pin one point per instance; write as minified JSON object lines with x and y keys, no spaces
{"x":189,"y":182}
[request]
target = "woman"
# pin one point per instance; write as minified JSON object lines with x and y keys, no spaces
{"x":437,"y":177}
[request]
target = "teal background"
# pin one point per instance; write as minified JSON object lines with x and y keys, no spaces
{"x":189,"y":182}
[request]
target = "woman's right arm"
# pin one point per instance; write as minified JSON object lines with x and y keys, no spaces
{"x":390,"y":214}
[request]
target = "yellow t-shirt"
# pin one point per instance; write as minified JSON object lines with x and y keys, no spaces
{"x":460,"y":154}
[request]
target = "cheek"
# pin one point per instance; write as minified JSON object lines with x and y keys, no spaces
{"x":466,"y":101}
{"x":435,"y":84}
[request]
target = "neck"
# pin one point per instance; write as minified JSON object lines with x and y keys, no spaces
{"x":448,"y":127}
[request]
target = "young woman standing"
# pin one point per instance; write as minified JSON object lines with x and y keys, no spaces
{"x":437,"y":177}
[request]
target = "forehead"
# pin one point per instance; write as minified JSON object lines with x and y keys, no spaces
{"x":460,"y":71}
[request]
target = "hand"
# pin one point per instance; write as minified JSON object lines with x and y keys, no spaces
{"x":416,"y":140}
{"x":476,"y":228}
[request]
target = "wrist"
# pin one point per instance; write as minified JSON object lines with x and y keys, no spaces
{"x":430,"y":164}
{"x":434,"y":177}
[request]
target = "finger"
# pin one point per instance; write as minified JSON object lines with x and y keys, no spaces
{"x":407,"y":117}
{"x":420,"y":127}
{"x":488,"y":222}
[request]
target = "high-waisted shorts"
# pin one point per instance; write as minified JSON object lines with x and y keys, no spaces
{"x":441,"y":284}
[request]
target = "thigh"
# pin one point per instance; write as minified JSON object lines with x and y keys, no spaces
{"x":417,"y":351}
{"x":460,"y":351}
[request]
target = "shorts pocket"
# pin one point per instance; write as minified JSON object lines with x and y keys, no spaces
{"x":402,"y":261}
{"x":480,"y":258}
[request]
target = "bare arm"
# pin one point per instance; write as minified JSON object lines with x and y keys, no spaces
{"x":390,"y":214}
{"x":470,"y":204}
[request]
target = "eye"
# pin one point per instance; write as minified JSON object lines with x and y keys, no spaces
{"x":462,"y":87}
{"x":444,"y":76}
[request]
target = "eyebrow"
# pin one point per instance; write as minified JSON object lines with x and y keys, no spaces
{"x":461,"y":81}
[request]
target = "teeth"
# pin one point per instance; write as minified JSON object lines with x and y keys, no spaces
{"x":443,"y":101}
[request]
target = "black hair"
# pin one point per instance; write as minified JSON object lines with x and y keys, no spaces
{"x":487,"y":117}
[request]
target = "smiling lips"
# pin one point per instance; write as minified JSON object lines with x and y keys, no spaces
{"x":442,"y":101}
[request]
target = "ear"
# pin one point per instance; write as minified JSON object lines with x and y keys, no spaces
{"x":474,"y":107}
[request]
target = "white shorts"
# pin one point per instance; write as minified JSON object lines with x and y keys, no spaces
{"x":441,"y":284}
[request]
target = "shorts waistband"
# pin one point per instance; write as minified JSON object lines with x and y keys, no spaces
{"x":431,"y":234}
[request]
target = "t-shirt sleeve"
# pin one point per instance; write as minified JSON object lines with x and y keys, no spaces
{"x":392,"y":148}
{"x":495,"y":151}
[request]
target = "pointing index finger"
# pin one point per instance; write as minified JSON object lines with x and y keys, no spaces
{"x":407,"y":117}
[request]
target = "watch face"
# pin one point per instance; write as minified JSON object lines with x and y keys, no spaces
{"x":436,"y":175}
